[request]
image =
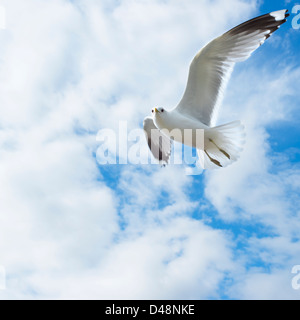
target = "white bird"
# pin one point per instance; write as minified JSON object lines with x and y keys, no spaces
{"x":209,"y":73}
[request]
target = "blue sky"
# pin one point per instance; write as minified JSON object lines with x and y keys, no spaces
{"x":71,"y":228}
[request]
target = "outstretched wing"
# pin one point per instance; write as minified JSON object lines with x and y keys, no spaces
{"x":159,"y":144}
{"x":211,"y":68}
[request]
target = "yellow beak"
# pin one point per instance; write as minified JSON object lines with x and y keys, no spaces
{"x":155,"y":109}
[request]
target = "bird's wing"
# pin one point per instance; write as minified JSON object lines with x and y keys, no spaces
{"x":159,"y":144}
{"x":211,"y":68}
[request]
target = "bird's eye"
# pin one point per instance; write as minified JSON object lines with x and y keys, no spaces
{"x":162,"y":110}
{"x":152,"y":111}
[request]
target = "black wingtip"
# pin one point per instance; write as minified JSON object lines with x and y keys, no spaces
{"x":287,"y":14}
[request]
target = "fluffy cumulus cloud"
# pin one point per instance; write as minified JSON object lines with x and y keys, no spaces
{"x":262,"y":188}
{"x":72,"y":229}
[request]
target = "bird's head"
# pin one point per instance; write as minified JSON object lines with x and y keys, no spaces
{"x":158,"y":112}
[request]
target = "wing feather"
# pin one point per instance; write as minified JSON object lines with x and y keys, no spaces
{"x":212,"y":67}
{"x":159,"y":144}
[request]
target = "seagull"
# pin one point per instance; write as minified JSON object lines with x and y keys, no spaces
{"x":209,"y":74}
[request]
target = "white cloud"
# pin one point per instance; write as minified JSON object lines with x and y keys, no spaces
{"x":250,"y":183}
{"x":266,"y":286}
{"x":254,"y":191}
{"x":76,"y":67}
{"x":150,"y":266}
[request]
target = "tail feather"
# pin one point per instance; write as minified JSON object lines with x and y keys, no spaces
{"x":223,"y":145}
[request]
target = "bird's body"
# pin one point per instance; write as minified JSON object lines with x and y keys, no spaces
{"x":209,"y":73}
{"x":187,"y":127}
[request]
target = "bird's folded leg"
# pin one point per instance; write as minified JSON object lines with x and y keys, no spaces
{"x":221,"y":150}
{"x":216,"y":162}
